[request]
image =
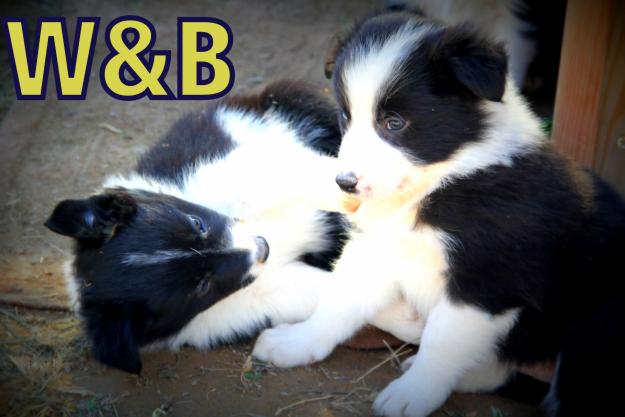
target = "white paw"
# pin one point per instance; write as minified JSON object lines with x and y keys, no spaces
{"x":401,"y":398}
{"x":290,"y":345}
{"x":405,"y":365}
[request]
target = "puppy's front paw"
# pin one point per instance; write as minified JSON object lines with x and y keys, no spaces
{"x":290,"y":345}
{"x":401,"y":398}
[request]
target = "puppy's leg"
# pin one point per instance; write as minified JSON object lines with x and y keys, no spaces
{"x":401,"y":320}
{"x":455,"y":339}
{"x":357,"y":291}
{"x":487,"y":376}
{"x":283,"y":295}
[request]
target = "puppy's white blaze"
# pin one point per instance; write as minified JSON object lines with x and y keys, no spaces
{"x":374,"y":66}
{"x":157,"y":257}
{"x":371,"y":69}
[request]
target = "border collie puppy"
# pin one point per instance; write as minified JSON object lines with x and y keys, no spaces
{"x":191,"y":224}
{"x":507,"y":251}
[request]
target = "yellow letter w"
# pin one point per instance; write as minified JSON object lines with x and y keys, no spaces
{"x":71,"y":69}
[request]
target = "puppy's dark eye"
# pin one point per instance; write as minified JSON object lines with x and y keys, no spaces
{"x":199,"y":225}
{"x":394,"y":123}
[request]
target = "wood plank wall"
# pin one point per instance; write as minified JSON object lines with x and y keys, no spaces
{"x":589,"y":117}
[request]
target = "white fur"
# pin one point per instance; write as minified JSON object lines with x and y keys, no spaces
{"x":401,"y":320}
{"x":376,"y":268}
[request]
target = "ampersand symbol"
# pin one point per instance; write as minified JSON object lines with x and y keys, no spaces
{"x":129,"y":56}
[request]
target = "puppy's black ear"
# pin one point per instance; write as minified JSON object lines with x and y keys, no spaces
{"x":92,"y":218}
{"x":477,"y":63}
{"x":114,"y":342}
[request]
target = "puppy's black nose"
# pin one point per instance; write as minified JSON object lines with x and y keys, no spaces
{"x":347,"y":181}
{"x":263,"y":249}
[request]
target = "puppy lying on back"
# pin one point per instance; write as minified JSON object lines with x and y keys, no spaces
{"x":508,"y":252}
{"x":223,"y":201}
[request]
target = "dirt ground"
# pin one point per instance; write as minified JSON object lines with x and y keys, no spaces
{"x":51,"y":150}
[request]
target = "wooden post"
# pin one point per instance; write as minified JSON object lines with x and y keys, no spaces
{"x":589,"y":117}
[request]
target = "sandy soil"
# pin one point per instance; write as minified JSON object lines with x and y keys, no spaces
{"x":51,"y":150}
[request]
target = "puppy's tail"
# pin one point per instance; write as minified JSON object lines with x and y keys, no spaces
{"x":590,"y":365}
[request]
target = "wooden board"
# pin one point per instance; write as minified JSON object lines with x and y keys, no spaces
{"x":609,"y":159}
{"x":589,"y":118}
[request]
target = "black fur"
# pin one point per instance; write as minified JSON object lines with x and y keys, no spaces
{"x":525,"y":238}
{"x":337,"y":233}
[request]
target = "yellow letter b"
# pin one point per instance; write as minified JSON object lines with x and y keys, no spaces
{"x":203,"y":43}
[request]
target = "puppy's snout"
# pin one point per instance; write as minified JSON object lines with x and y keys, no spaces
{"x":347,"y":181}
{"x":262,"y":252}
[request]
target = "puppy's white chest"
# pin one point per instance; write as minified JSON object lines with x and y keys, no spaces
{"x":416,"y":259}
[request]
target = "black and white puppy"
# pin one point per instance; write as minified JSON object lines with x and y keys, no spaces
{"x":191,"y":224}
{"x":507,"y":251}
